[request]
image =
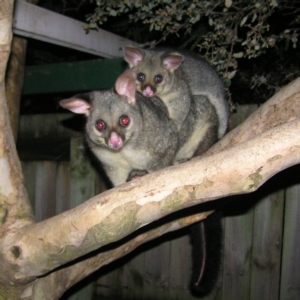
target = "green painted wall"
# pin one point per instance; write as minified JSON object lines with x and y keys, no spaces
{"x":72,"y":77}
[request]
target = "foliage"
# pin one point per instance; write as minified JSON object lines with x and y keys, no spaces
{"x":225,"y":32}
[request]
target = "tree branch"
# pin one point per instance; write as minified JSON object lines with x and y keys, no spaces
{"x":39,"y":248}
{"x":71,"y":274}
{"x":15,"y":210}
{"x":279,"y":109}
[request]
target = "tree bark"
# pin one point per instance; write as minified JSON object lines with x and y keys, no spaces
{"x":33,"y":256}
{"x":14,"y":81}
{"x":279,"y":109}
{"x":15,"y":78}
{"x":15,"y":210}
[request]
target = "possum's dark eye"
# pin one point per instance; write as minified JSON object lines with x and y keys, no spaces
{"x":100,"y":125}
{"x":158,"y":78}
{"x":124,"y":120}
{"x":141,"y":77}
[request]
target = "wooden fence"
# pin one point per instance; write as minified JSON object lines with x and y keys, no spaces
{"x":261,"y":257}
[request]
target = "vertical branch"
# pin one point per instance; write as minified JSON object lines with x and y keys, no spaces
{"x":14,"y":81}
{"x":15,"y":78}
{"x":13,"y":196}
{"x":5,"y":36}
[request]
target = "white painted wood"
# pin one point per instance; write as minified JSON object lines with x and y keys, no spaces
{"x":38,"y":23}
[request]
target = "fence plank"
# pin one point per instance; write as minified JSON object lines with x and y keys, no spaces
{"x":241,"y":114}
{"x":267,"y":240}
{"x":63,"y":187}
{"x":181,"y":268}
{"x":156,"y":276}
{"x":45,"y":191}
{"x":290,"y":278}
{"x":132,"y":277}
{"x":109,"y":284}
{"x":237,"y":251}
{"x":29,"y":171}
{"x":82,"y":174}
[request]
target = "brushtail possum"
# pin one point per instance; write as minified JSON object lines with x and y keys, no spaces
{"x":124,"y":131}
{"x":195,"y":98}
{"x":176,"y":77}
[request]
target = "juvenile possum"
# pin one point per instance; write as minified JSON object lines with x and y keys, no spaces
{"x":124,"y":131}
{"x":177,"y":76}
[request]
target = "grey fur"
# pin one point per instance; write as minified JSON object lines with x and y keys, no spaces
{"x":199,"y":131}
{"x":150,"y":140}
{"x":193,"y":77}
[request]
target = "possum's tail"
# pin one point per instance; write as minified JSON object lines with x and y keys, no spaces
{"x":206,"y":239}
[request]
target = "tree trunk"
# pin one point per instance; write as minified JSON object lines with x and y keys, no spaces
{"x":33,"y":256}
{"x":14,"y":81}
{"x":15,"y":78}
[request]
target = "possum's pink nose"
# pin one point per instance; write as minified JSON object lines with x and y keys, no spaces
{"x":148,"y":92}
{"x":115,"y":141}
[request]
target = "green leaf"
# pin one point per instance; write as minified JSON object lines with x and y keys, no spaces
{"x":113,"y":13}
{"x":244,"y":20}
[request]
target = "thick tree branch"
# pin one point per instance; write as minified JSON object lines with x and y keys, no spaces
{"x":71,"y":274}
{"x":39,"y":248}
{"x":279,"y":109}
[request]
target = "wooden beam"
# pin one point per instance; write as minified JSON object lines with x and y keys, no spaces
{"x":72,"y":77}
{"x":35,"y":22}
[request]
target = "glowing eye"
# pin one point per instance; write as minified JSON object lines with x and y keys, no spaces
{"x":158,"y":79}
{"x":100,"y":125}
{"x":124,"y":120}
{"x":141,"y":77}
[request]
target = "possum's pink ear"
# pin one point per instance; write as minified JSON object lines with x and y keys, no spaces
{"x":172,"y":61}
{"x":76,"y":105}
{"x":125,"y":86}
{"x":132,"y":55}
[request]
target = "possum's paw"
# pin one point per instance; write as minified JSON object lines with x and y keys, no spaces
{"x":134,"y":174}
